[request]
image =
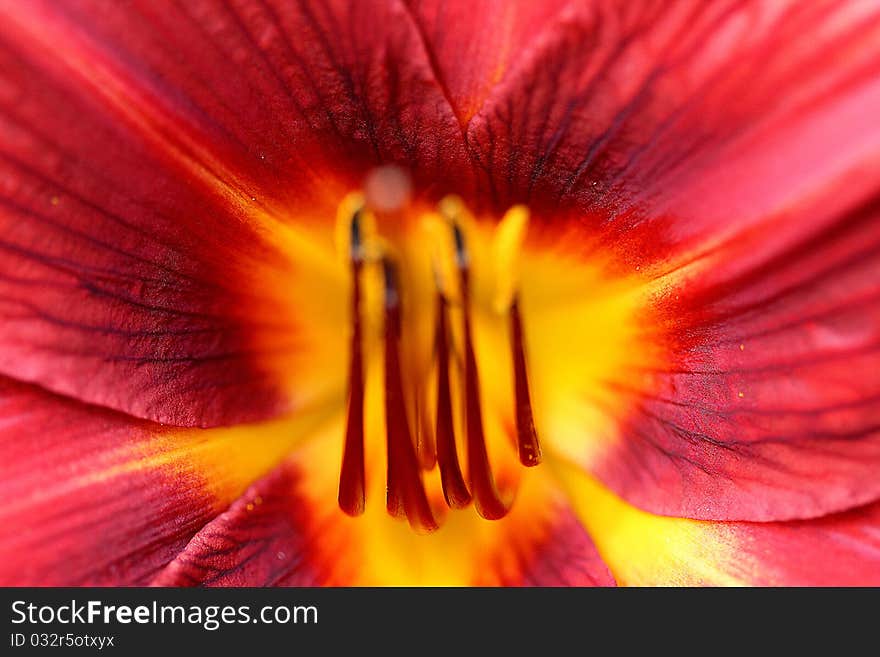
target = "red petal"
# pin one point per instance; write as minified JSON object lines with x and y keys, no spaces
{"x":270,"y":92}
{"x":258,"y":542}
{"x":670,"y":118}
{"x":838,"y":550}
{"x":96,"y":497}
{"x":90,"y":497}
{"x":769,"y":410}
{"x":473,"y":46}
{"x":566,"y":557}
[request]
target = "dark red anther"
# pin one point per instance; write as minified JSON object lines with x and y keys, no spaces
{"x":486,"y":498}
{"x":406,"y":493}
{"x":527,"y":437}
{"x":454,"y":488}
{"x":351,"y":477}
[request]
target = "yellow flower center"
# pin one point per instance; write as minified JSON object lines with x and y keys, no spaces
{"x":435,"y":347}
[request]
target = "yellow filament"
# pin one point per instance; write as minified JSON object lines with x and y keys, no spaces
{"x":506,"y":245}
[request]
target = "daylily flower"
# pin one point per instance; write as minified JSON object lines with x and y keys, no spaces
{"x":424,"y":292}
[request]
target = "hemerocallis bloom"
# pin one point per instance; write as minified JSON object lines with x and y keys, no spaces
{"x":423,"y":292}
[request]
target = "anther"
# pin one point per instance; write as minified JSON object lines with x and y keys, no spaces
{"x":508,"y":240}
{"x":351,"y":479}
{"x":405,"y":494}
{"x":486,"y":498}
{"x":527,"y":437}
{"x":454,"y":488}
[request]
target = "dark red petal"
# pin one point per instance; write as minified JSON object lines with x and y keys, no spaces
{"x":118,"y":264}
{"x":90,"y":497}
{"x":275,"y":91}
{"x":473,"y":46}
{"x":259,"y":541}
{"x":674,"y":119}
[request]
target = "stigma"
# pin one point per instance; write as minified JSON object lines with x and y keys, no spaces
{"x":434,"y":422}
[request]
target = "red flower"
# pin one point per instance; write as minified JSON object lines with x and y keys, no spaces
{"x":253,"y":252}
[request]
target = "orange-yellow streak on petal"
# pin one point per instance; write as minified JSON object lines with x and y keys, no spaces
{"x":642,"y":549}
{"x":232,"y":458}
{"x":222,"y":462}
{"x":507,"y":245}
{"x":506,"y":45}
{"x":301,"y":314}
{"x":146,"y":454}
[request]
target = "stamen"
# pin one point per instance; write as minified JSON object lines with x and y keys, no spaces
{"x":486,"y":498}
{"x":508,"y":240}
{"x":454,"y":489}
{"x":406,"y":493}
{"x":351,"y":479}
{"x":430,"y":441}
{"x":527,"y":437}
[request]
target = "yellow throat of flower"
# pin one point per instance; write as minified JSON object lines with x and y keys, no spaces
{"x":437,"y":352}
